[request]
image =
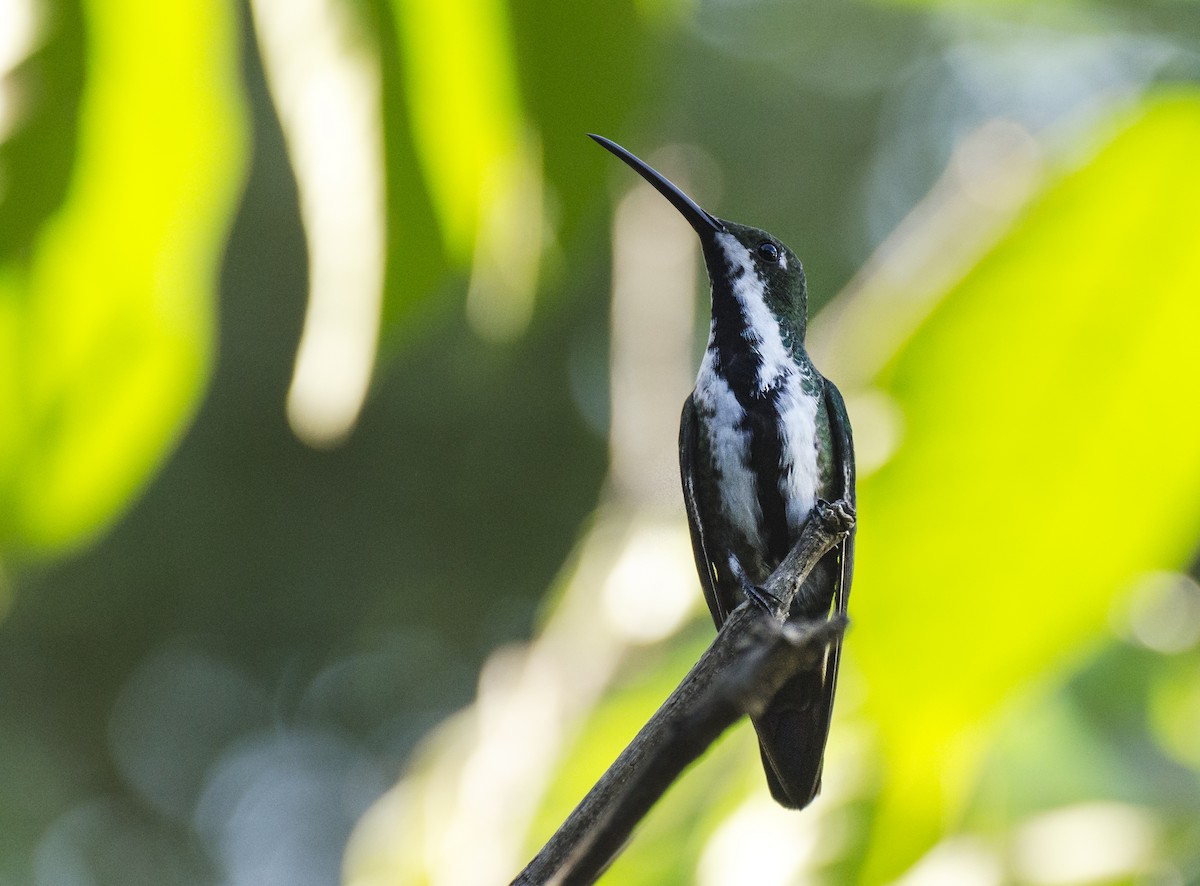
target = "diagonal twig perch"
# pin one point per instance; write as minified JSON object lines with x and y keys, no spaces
{"x":752,"y":656}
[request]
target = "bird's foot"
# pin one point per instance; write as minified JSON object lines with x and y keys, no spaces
{"x":836,"y":516}
{"x":762,"y":598}
{"x":758,"y":596}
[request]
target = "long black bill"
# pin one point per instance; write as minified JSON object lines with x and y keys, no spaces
{"x":696,"y":217}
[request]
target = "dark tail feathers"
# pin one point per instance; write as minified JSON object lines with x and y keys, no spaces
{"x":793,"y":729}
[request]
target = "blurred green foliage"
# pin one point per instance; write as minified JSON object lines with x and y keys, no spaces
{"x":186,"y":581}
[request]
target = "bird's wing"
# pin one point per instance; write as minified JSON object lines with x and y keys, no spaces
{"x":689,"y":444}
{"x":843,"y":459}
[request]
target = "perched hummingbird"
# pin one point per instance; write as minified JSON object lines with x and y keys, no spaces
{"x":763,"y":437}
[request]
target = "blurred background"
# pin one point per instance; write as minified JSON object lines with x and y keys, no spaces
{"x":340,"y":534}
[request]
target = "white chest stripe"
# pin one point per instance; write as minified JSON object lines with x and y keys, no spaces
{"x":721,"y":418}
{"x":798,"y":477}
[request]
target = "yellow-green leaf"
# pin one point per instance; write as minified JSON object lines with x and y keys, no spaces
{"x":106,"y":327}
{"x":1051,"y":455}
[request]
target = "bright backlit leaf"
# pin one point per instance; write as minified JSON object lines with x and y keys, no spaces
{"x":106,"y":325}
{"x":480,"y":163}
{"x":1051,"y":456}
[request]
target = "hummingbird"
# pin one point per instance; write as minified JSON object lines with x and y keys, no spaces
{"x":763,"y":437}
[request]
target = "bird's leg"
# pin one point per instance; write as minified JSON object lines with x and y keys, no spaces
{"x":758,"y":596}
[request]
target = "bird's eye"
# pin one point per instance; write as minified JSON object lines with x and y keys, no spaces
{"x":768,"y":251}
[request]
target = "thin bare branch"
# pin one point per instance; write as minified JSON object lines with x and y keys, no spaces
{"x":740,"y":672}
